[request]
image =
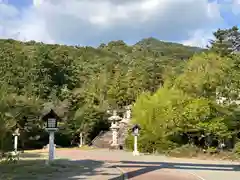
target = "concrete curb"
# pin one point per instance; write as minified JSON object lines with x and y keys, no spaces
{"x":124,"y":174}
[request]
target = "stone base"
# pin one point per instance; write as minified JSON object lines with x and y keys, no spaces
{"x":47,"y":146}
{"x":116,"y":147}
{"x":136,"y":153}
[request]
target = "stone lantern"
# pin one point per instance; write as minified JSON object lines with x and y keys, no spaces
{"x":115,"y":119}
{"x":135,"y":130}
{"x":127,"y":114}
{"x":16,"y":134}
{"x":51,"y":120}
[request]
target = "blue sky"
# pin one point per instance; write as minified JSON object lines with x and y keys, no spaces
{"x":91,"y":22}
{"x":20,"y":3}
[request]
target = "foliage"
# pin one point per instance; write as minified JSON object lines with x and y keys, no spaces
{"x":203,"y":74}
{"x":81,"y":82}
{"x":226,"y":42}
{"x":236,"y":149}
{"x":187,"y":150}
{"x":212,"y":150}
{"x":187,"y":109}
{"x":181,"y":95}
{"x":174,"y":50}
{"x":12,"y":158}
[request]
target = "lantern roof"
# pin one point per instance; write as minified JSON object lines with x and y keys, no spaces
{"x":136,"y":126}
{"x":16,"y":131}
{"x":51,"y":114}
{"x":115,"y":118}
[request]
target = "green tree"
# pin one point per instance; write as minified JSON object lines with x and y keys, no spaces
{"x":205,"y":75}
{"x":226,"y":41}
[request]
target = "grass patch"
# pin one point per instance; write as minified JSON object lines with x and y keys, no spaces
{"x":190,"y":151}
{"x":33,"y":155}
{"x":38,"y":170}
{"x":35,"y":169}
{"x":184,"y":151}
{"x":32,"y":166}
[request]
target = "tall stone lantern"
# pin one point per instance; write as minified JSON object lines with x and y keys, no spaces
{"x":16,"y":134}
{"x":115,"y":119}
{"x":51,"y":120}
{"x":127,"y":114}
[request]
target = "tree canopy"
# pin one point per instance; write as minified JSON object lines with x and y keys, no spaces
{"x":201,"y":101}
{"x":174,"y":89}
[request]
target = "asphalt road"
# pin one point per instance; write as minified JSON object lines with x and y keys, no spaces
{"x":150,"y":167}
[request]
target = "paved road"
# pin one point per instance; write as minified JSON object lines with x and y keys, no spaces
{"x":156,"y":167}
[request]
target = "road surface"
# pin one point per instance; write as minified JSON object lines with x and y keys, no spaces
{"x":155,"y":167}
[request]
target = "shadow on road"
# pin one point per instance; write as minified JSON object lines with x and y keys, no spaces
{"x":59,"y":170}
{"x":146,"y":167}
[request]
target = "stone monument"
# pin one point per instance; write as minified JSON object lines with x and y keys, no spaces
{"x":127,"y":114}
{"x":115,"y":119}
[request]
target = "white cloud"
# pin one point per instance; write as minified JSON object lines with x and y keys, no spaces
{"x":199,"y":37}
{"x":37,"y":2}
{"x":91,"y":22}
{"x":236,"y":7}
{"x":7,"y":11}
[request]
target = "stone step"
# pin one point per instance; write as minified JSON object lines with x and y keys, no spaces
{"x":104,"y":140}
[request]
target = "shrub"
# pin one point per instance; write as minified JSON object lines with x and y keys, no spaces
{"x":187,"y":150}
{"x":236,"y":149}
{"x":150,"y":145}
{"x":212,"y":150}
{"x":129,"y":142}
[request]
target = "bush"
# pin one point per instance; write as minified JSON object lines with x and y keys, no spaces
{"x":128,"y":143}
{"x":150,"y":145}
{"x":10,"y":157}
{"x":236,"y":149}
{"x":6,"y":143}
{"x":187,"y":150}
{"x":212,"y":150}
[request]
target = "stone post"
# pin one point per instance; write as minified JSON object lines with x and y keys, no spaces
{"x":135,"y":131}
{"x":135,"y":151}
{"x":16,"y":134}
{"x":114,"y":137}
{"x":81,"y":140}
{"x":128,"y":113}
{"x":51,"y":146}
{"x":15,"y":143}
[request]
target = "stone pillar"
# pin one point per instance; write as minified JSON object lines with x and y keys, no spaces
{"x":15,"y":142}
{"x":81,"y":140}
{"x":51,"y":146}
{"x":114,"y":137}
{"x":135,"y":151}
{"x":114,"y":113}
{"x":114,"y":128}
{"x":128,"y":113}
{"x":15,"y":135}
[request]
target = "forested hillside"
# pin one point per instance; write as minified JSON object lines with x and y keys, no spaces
{"x":200,"y":108}
{"x":81,"y":83}
{"x":170,"y":49}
